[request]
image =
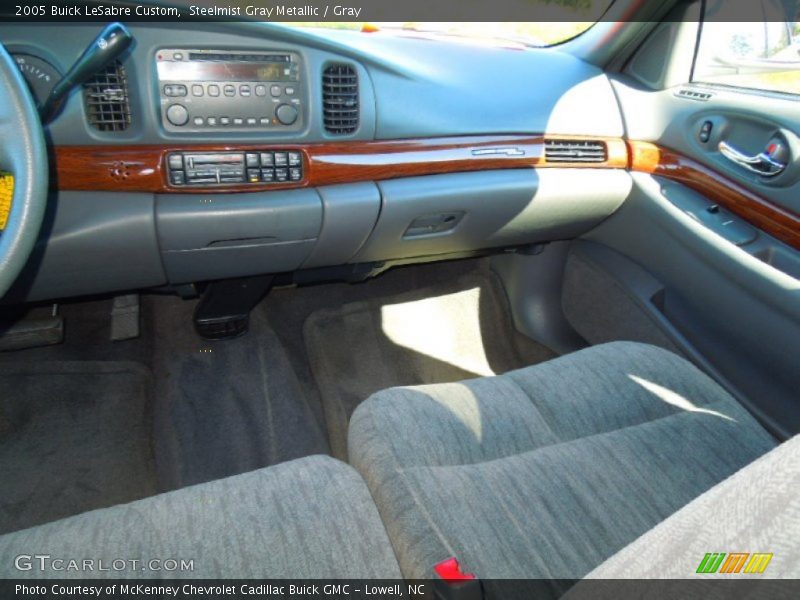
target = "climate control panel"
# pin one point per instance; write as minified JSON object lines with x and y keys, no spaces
{"x":235,"y":168}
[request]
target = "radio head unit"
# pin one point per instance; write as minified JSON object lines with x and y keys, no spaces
{"x":232,"y":90}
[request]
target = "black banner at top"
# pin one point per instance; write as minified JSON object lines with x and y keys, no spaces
{"x":358,"y":11}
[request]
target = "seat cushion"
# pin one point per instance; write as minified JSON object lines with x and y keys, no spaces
{"x":309,"y":518}
{"x":757,"y":510}
{"x":546,"y":471}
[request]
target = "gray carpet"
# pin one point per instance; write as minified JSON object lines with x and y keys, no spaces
{"x":225,"y":407}
{"x":601,"y":311}
{"x":74,"y":436}
{"x":219,"y":409}
{"x":452,"y":329}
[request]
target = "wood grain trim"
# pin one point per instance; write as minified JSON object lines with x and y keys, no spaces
{"x":142,"y":168}
{"x":376,"y":161}
{"x":779,"y":222}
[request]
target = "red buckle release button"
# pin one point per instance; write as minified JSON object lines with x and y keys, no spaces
{"x":450,"y":570}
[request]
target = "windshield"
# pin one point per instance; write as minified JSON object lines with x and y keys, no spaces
{"x":576,"y":17}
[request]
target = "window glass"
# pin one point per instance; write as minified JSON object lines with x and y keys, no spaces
{"x":577,"y":15}
{"x":763,"y":56}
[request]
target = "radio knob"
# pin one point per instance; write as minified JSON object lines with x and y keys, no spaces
{"x":177,"y":114}
{"x":286,"y":113}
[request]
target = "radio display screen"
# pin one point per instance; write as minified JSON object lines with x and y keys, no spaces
{"x":226,"y":71}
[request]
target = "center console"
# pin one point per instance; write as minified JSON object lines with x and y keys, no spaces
{"x":202,"y":90}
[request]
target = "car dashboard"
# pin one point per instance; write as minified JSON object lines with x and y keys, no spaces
{"x":221,"y":150}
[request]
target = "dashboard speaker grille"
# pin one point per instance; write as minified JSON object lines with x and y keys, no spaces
{"x":340,"y":99}
{"x":105,"y":96}
{"x":573,"y":151}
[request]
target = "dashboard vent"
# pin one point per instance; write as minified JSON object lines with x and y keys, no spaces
{"x":694,"y":95}
{"x":575,"y":151}
{"x":340,"y":99}
{"x":105,"y":96}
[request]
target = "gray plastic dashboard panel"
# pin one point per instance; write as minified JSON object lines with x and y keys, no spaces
{"x":349,"y":215}
{"x":467,"y":89}
{"x":427,"y":87}
{"x":206,"y":237}
{"x":92,"y":243}
{"x":491,"y":209}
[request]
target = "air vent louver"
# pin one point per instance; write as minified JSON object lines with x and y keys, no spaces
{"x":105,"y":95}
{"x":340,"y":99}
{"x":694,"y":95}
{"x":574,"y":151}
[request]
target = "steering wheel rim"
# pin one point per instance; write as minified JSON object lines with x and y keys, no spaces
{"x":23,"y":154}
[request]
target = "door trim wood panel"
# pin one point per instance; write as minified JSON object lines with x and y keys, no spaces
{"x":781,"y":223}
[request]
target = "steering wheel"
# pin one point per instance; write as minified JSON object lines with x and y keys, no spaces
{"x":23,"y":156}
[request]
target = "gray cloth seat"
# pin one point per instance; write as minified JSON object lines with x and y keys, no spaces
{"x":547,"y":471}
{"x":308,"y":518}
{"x":756,"y":510}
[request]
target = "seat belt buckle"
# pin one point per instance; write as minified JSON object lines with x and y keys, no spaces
{"x":451,"y":583}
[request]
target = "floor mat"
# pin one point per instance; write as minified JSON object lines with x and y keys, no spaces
{"x":450,"y":330}
{"x":225,"y":407}
{"x":74,"y":436}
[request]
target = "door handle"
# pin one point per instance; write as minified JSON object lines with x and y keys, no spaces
{"x":762,"y":163}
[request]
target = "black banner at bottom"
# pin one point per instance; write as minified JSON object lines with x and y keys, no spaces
{"x":340,"y":589}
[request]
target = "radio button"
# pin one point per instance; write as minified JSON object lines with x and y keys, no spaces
{"x":286,"y":113}
{"x":197,"y":90}
{"x":244,"y":90}
{"x":251,"y":159}
{"x":264,"y":120}
{"x":174,"y":90}
{"x":177,"y":115}
{"x":224,"y":121}
{"x":230,"y":90}
{"x":281,"y":175}
{"x":268,"y":175}
{"x":238,"y":121}
{"x":267,"y":160}
{"x":213,"y":90}
{"x":289,"y":91}
{"x":251,"y":121}
{"x":261,"y":90}
{"x":212,"y":121}
{"x":198,"y":121}
{"x":275,"y":90}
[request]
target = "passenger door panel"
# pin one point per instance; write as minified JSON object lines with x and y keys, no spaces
{"x":730,"y":289}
